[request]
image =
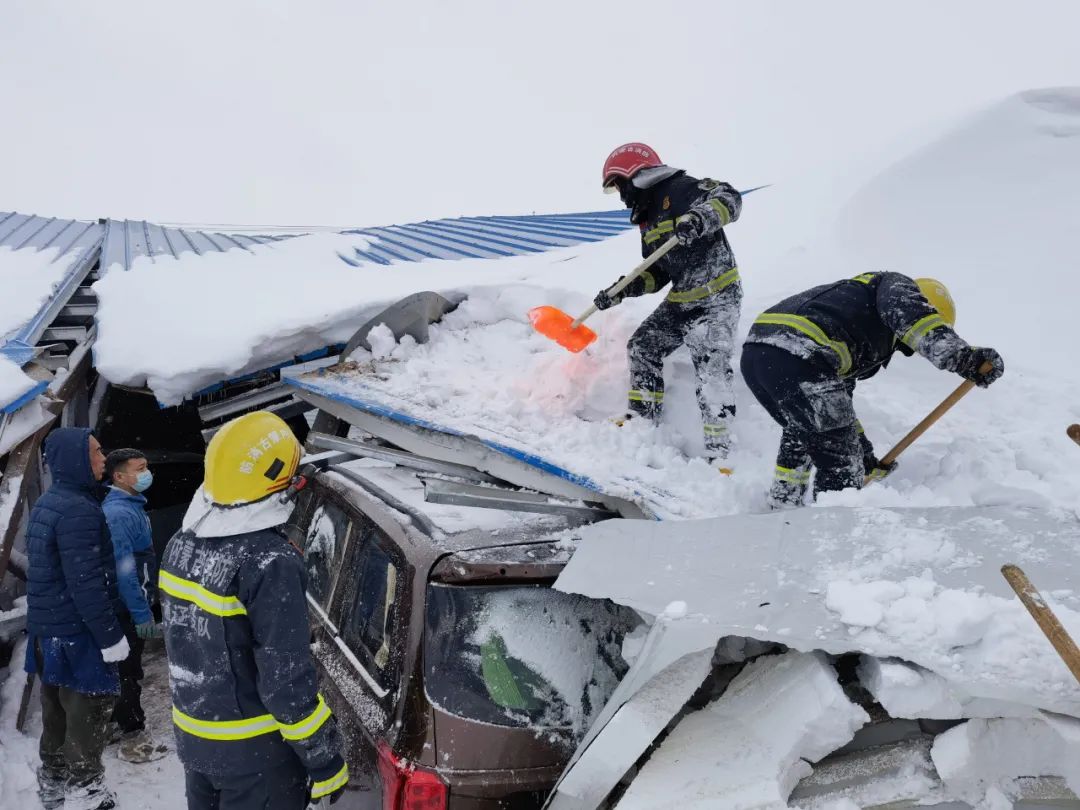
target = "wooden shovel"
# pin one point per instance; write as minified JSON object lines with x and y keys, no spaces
{"x":1044,"y":617}
{"x":931,"y":417}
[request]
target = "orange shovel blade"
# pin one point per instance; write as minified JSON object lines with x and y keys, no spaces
{"x":555,"y":324}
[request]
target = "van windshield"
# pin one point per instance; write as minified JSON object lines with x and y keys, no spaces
{"x":523,"y":655}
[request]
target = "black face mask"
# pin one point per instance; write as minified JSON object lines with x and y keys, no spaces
{"x":634,"y":199}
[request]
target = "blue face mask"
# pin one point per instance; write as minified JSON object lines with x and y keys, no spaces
{"x":143,"y":481}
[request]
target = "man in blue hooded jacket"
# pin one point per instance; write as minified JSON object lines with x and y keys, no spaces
{"x":74,"y":636}
{"x":128,"y":474}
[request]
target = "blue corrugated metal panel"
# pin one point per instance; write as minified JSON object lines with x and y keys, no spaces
{"x":129,"y":240}
{"x":77,"y":244}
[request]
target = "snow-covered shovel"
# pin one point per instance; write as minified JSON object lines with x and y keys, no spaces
{"x":571,"y":333}
{"x":931,"y":417}
{"x":1074,"y":432}
{"x":1044,"y":617}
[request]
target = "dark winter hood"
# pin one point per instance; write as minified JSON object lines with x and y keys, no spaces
{"x":67,"y":453}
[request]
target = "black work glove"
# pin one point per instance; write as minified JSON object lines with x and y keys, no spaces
{"x":878,"y":471}
{"x":689,"y":227}
{"x":972,"y":360}
{"x":604,"y":301}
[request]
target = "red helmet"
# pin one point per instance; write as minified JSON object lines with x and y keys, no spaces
{"x":629,"y":159}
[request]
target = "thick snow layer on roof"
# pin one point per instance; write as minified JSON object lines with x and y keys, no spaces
{"x":27,"y":276}
{"x":922,"y":585}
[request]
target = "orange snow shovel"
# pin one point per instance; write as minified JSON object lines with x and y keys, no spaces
{"x":571,"y":333}
{"x":925,"y":424}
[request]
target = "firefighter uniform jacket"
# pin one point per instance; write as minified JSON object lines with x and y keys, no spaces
{"x":244,"y":685}
{"x":706,"y":266}
{"x":854,"y":326}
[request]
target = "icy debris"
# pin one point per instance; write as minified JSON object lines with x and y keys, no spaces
{"x":749,"y":748}
{"x":981,"y":759}
{"x":382,"y":341}
{"x":908,"y":691}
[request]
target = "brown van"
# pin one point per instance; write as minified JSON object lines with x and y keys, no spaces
{"x":460,"y":679}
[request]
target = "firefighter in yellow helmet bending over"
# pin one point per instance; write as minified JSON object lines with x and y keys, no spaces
{"x":803,"y":356}
{"x":251,"y":728}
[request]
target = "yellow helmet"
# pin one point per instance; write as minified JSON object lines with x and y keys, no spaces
{"x":938,"y":296}
{"x":250,"y":458}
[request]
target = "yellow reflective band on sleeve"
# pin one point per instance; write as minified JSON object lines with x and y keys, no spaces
{"x":859,"y":427}
{"x":864,"y":278}
{"x":722,"y":210}
{"x":721,"y":282}
{"x":198,"y":595}
{"x":328,"y":786}
{"x":225,"y":729}
{"x":646,"y":396}
{"x":812,"y":331}
{"x":922,"y":326}
{"x":309,"y":725}
{"x":650,"y":282}
{"x":664,"y":226}
{"x":790,"y":476}
{"x":715,"y":430}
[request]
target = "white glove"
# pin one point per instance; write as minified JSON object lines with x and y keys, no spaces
{"x":117,"y":652}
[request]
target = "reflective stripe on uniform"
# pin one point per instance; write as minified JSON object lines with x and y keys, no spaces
{"x":225,"y":729}
{"x":309,"y":725}
{"x":650,"y":282}
{"x":790,"y":476}
{"x":646,"y":396}
{"x":662,"y":227}
{"x":715,"y":430}
{"x":722,"y":210}
{"x":328,"y":786}
{"x":249,"y":727}
{"x":812,"y":331}
{"x":719,"y":283}
{"x":922,"y":326}
{"x":864,"y":278}
{"x":198,"y":595}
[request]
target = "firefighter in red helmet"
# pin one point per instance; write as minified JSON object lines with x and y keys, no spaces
{"x":701,"y":309}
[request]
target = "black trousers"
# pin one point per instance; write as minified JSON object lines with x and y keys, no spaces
{"x":128,"y":713}
{"x":815,"y":409}
{"x":283,"y":788}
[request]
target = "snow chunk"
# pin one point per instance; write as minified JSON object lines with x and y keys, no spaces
{"x":748,"y":749}
{"x":981,"y":758}
{"x":13,"y":383}
{"x":908,"y":691}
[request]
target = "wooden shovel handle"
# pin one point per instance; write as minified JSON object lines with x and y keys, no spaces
{"x":626,"y":280}
{"x":931,"y":417}
{"x":1044,"y":616}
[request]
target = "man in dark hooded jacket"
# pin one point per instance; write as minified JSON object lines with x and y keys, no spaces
{"x":75,"y":638}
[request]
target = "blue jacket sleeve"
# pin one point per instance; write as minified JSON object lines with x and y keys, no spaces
{"x":79,"y":537}
{"x":272,"y":591}
{"x":126,"y":533}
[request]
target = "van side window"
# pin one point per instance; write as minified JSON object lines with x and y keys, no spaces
{"x":368,"y":625}
{"x":323,"y":545}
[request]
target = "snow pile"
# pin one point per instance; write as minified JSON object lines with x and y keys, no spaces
{"x":19,"y":762}
{"x":28,"y":277}
{"x":13,"y":383}
{"x":990,"y":209}
{"x":982,"y":759}
{"x":748,"y":749}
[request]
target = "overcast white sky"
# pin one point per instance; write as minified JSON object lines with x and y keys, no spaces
{"x":349,"y":113}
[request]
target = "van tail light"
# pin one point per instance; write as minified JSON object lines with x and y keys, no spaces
{"x":406,"y":786}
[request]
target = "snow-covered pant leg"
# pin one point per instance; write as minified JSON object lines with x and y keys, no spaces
{"x":711,"y":340}
{"x":658,"y":336}
{"x":815,"y":409}
{"x":73,"y":735}
{"x":53,"y":774}
{"x":128,"y":713}
{"x":283,"y":788}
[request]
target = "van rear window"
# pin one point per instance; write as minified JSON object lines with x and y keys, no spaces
{"x":525,"y":656}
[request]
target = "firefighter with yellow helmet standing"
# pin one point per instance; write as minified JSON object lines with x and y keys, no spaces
{"x":251,"y":728}
{"x":803,"y":356}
